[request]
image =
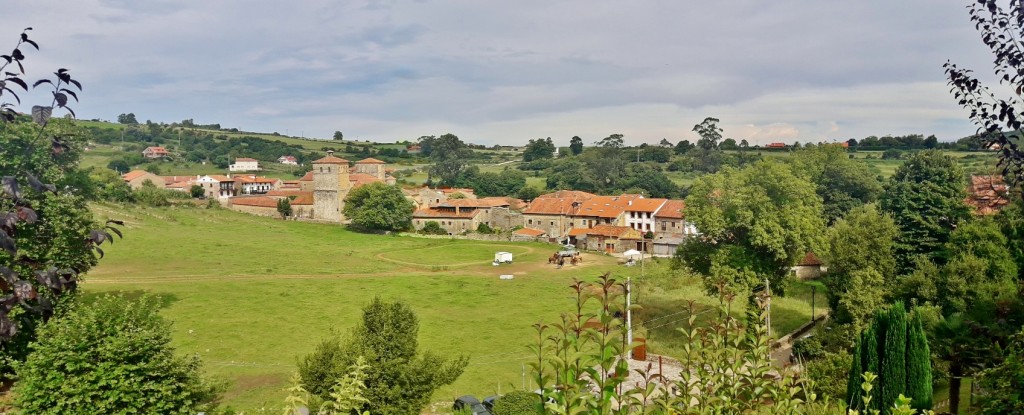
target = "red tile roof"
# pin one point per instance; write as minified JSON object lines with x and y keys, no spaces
{"x":529,"y":232}
{"x":551,"y":206}
{"x":176,"y":179}
{"x":287,"y":193}
{"x":486,"y":202}
{"x":305,"y":199}
{"x":308,"y":177}
{"x":134,"y":174}
{"x":370,"y":161}
{"x":330,"y":159}
{"x":221,"y":178}
{"x":238,"y":159}
{"x":645,"y":205}
{"x":179,"y":185}
{"x":606,"y":206}
{"x":672,"y":209}
{"x":776,"y":145}
{"x":360,"y":179}
{"x":810,"y":260}
{"x":156,"y":149}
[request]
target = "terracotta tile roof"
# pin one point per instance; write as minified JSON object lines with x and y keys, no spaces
{"x":287,"y":158}
{"x":330,"y":159}
{"x":529,"y":232}
{"x":134,"y":174}
{"x":156,"y":149}
{"x":578,"y":231}
{"x":305,"y":199}
{"x":810,"y":260}
{"x":645,"y":205}
{"x":308,"y":177}
{"x":486,"y":202}
{"x":987,"y":194}
{"x":551,"y":206}
{"x":445,"y":213}
{"x":254,"y":179}
{"x":290,"y":184}
{"x":567,"y":193}
{"x":360,"y":179}
{"x":221,"y":178}
{"x":672,"y":209}
{"x":606,"y":206}
{"x":176,"y":179}
{"x":450,"y":190}
{"x":776,"y":145}
{"x":238,"y":159}
{"x":370,"y":161}
{"x":255,"y":201}
{"x":179,"y":185}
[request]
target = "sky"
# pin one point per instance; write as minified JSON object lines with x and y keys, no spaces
{"x":506,"y":72}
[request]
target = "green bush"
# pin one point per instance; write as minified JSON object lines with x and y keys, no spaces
{"x":433,"y":228}
{"x":829,"y":375}
{"x":150,"y":195}
{"x":808,"y":348}
{"x":484,"y":228}
{"x":111,"y":356}
{"x":518,"y":403}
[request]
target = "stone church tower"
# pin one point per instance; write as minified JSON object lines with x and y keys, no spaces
{"x":330,"y":186}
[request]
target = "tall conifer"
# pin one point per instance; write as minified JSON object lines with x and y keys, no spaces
{"x":893,"y":380}
{"x":919,"y":365}
{"x":853,"y":384}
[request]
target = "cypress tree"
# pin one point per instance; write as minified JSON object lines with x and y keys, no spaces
{"x":894,"y":361}
{"x":854,"y":381}
{"x":869,"y":358}
{"x":879,"y":331}
{"x":919,"y":365}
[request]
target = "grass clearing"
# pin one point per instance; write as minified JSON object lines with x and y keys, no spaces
{"x":250,"y":295}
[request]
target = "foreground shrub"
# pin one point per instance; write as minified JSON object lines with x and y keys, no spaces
{"x":111,"y":356}
{"x":518,"y":403}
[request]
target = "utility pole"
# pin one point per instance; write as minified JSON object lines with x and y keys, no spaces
{"x":768,"y":308}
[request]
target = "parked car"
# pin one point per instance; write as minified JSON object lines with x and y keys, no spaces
{"x":490,"y":401}
{"x":471,"y":403}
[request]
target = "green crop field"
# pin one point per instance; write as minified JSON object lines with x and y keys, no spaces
{"x":250,"y":295}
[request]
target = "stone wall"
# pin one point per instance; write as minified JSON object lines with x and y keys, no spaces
{"x":504,"y":218}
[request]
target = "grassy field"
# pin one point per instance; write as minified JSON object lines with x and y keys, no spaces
{"x":251,"y":295}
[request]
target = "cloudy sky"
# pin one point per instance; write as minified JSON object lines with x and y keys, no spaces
{"x":505,"y":72}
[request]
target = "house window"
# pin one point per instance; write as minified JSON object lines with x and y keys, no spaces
{"x":531,"y":221}
{"x":321,"y":169}
{"x":663,"y":226}
{"x":552,"y":223}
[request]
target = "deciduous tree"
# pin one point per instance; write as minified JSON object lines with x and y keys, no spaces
{"x":576,"y":145}
{"x":379,"y":206}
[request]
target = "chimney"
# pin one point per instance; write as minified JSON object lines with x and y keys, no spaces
{"x":629,"y":203}
{"x":330,"y":153}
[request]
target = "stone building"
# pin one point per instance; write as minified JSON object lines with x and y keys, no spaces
{"x":330,"y":186}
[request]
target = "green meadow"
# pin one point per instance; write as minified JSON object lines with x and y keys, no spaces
{"x":250,"y":295}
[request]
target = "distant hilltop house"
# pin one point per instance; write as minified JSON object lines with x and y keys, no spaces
{"x":413,"y":149}
{"x":290,"y":160}
{"x":775,"y":145}
{"x":155,"y":152}
{"x":245,"y":164}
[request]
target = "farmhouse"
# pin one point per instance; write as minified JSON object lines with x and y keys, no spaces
{"x":607,"y":238}
{"x":775,"y":145}
{"x":244,"y":164}
{"x":453,"y":220}
{"x":809,"y":268}
{"x":430,"y":197}
{"x":459,"y":215}
{"x":640,"y":213}
{"x":603,"y":210}
{"x":289,"y":160}
{"x":252,"y":184}
{"x":551,"y":213}
{"x":155,"y":152}
{"x":136,"y":178}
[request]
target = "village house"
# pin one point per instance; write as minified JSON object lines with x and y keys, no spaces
{"x":465,"y":215}
{"x":603,"y":210}
{"x":301,"y":203}
{"x":413,"y":149}
{"x":607,"y":238}
{"x":252,"y":184}
{"x":155,"y":152}
{"x":775,"y":146}
{"x":217,"y":186}
{"x":809,"y":268}
{"x":551,"y":213}
{"x":640,"y":214}
{"x":136,"y":178}
{"x":244,"y":164}
{"x":289,"y":160}
{"x":430,"y":197}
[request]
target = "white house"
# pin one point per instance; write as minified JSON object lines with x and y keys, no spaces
{"x":245,"y":164}
{"x":218,"y":186}
{"x":288,"y":160}
{"x":640,"y":213}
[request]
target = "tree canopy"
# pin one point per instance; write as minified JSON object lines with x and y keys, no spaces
{"x":755,"y":222}
{"x":539,"y":149}
{"x":379,"y":206}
